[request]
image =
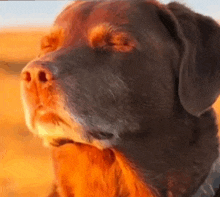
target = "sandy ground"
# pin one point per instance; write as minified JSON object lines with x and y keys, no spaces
{"x":25,"y":165}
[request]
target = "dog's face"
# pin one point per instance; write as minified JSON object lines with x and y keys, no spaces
{"x":131,"y":76}
{"x":104,"y":74}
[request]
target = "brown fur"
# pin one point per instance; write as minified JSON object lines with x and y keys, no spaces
{"x":52,"y":41}
{"x":101,"y":174}
{"x":107,"y":37}
{"x":126,"y":124}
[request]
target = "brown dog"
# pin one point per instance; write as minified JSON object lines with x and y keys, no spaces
{"x":122,"y":93}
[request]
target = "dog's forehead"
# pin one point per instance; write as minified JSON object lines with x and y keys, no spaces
{"x":78,"y":18}
{"x":90,"y":12}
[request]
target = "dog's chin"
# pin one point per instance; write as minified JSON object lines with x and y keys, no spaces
{"x":55,"y":131}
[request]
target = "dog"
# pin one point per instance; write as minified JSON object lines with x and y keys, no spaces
{"x":122,"y":93}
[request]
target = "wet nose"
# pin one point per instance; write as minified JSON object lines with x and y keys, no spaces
{"x":36,"y":73}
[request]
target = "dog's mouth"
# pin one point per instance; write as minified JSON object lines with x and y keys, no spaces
{"x":61,"y":141}
{"x":57,"y":130}
{"x":99,"y":135}
{"x":45,"y":117}
{"x":54,"y":128}
{"x":95,"y":134}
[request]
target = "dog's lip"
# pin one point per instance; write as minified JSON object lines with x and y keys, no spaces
{"x":45,"y":115}
{"x":101,"y":135}
{"x":61,"y":141}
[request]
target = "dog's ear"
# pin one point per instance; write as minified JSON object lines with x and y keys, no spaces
{"x":199,"y":72}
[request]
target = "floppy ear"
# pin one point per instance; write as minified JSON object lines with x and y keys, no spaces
{"x":199,"y":74}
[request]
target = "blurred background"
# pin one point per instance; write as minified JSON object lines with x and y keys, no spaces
{"x":25,"y":165}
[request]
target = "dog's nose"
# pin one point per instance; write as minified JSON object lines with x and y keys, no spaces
{"x":36,"y":73}
{"x":38,"y":85}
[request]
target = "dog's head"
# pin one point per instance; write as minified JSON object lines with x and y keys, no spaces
{"x":137,"y":76}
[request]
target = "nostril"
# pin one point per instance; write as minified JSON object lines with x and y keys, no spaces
{"x":26,"y":76}
{"x":37,"y":74}
{"x":44,"y":77}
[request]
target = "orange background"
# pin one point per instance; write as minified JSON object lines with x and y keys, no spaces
{"x":25,"y":165}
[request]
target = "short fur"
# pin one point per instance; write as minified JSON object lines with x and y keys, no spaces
{"x":122,"y":93}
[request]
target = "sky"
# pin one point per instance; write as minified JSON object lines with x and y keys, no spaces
{"x":42,"y":13}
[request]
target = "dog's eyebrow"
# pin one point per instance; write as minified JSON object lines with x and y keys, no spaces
{"x":106,"y":36}
{"x":53,"y":40}
{"x":100,"y":35}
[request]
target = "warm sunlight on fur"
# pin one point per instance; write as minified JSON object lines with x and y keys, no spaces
{"x":48,"y":132}
{"x":100,"y":35}
{"x":107,"y":37}
{"x":52,"y":129}
{"x":21,"y":152}
{"x":99,"y":175}
{"x":52,"y":41}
